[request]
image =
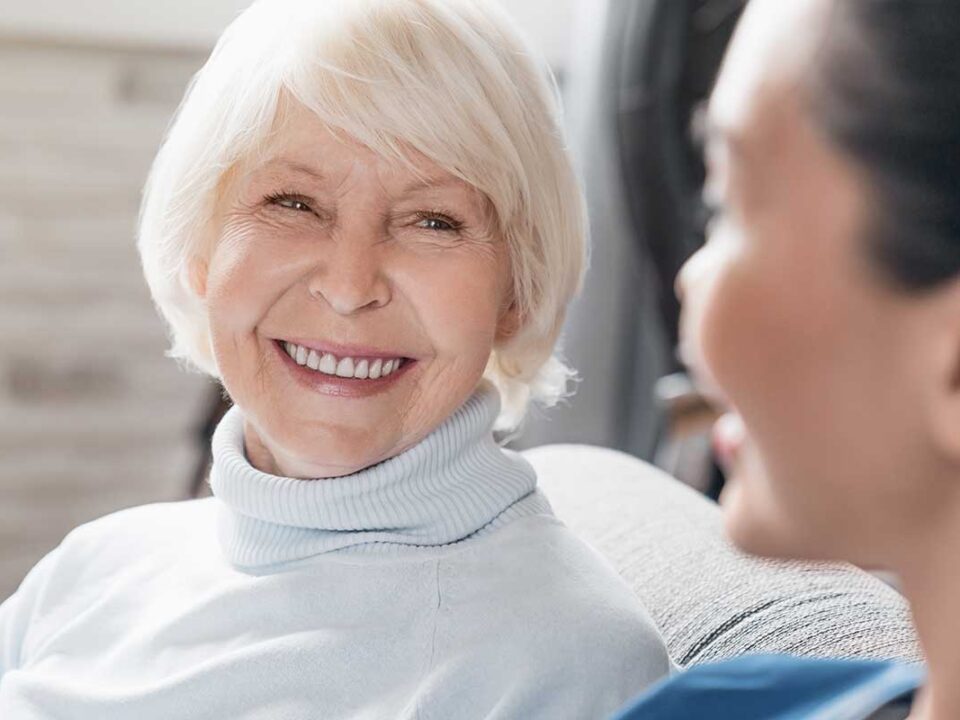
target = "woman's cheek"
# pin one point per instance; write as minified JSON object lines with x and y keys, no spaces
{"x":740,"y":355}
{"x":750,"y":515}
{"x":456,"y":295}
{"x":705,"y":314}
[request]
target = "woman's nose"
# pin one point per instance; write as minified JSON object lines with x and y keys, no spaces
{"x":695,"y":270}
{"x":682,"y":282}
{"x":350,"y":277}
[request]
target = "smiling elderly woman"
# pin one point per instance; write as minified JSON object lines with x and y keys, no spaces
{"x":364,"y":222}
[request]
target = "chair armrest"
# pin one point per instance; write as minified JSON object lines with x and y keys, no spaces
{"x":711,"y":601}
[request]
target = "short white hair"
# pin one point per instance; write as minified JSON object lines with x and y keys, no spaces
{"x":451,"y":79}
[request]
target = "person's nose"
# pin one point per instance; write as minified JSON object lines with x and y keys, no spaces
{"x":689,"y":274}
{"x":350,"y":276}
{"x":680,"y":282}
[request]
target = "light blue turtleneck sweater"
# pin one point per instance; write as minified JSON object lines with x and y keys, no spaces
{"x":434,"y":585}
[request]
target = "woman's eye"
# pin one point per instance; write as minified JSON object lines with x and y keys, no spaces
{"x":290,"y":202}
{"x":437,"y":223}
{"x":710,"y":215}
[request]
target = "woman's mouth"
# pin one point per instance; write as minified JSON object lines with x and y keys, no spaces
{"x":342,"y":375}
{"x":360,"y":368}
{"x":729,"y":435}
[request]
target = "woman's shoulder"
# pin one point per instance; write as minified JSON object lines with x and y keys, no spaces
{"x":101,"y":557}
{"x":551,"y":628}
{"x":134,"y":528}
{"x":140,"y":536}
{"x":769,"y":687}
{"x":541,"y":551}
{"x":542,"y":585}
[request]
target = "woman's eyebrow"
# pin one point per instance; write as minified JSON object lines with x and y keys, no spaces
{"x":293,"y":166}
{"x":425,"y":182}
{"x":705,"y":129}
{"x":717,"y":133}
{"x":431,"y":182}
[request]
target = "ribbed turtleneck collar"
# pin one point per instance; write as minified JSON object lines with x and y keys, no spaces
{"x":452,"y":484}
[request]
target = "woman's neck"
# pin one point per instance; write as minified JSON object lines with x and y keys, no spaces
{"x":931,"y":582}
{"x":456,"y":483}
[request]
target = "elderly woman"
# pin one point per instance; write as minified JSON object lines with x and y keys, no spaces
{"x":364,"y":222}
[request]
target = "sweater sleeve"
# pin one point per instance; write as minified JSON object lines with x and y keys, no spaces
{"x":18,"y":611}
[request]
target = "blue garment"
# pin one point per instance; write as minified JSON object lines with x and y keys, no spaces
{"x":434,"y":585}
{"x":777,"y":687}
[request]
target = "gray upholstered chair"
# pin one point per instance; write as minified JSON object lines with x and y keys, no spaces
{"x":710,"y":601}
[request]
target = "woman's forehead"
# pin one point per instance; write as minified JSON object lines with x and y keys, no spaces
{"x":771,"y":49}
{"x":304,"y":147}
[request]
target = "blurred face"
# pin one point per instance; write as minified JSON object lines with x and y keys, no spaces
{"x":826,"y":369}
{"x":353,"y":301}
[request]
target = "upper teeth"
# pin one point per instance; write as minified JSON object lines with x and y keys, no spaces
{"x":345,"y":367}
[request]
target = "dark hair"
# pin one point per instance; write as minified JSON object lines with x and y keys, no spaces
{"x":886,"y":90}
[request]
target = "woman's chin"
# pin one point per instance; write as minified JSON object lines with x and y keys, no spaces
{"x":739,"y":522}
{"x":290,"y":450}
{"x":752,"y":529}
{"x":751,"y":519}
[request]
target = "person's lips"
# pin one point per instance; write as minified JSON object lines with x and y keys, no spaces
{"x":729,"y":435}
{"x":700,"y":376}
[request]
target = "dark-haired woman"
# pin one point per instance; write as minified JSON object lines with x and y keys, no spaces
{"x":824,"y":314}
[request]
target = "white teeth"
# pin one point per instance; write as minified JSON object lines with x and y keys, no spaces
{"x":328,"y":364}
{"x":343,"y":367}
{"x":362,"y":370}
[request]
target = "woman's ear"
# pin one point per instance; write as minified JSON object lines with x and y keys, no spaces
{"x":197,"y":276}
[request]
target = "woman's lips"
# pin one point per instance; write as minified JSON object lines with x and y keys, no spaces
{"x":729,"y":434}
{"x":336,"y":386}
{"x":340,"y":350}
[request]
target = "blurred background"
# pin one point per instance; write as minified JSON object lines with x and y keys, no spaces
{"x":94,"y":418}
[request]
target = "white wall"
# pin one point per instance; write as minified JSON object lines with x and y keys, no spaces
{"x":193,"y":24}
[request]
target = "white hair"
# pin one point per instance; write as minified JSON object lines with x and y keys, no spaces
{"x":451,"y":79}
